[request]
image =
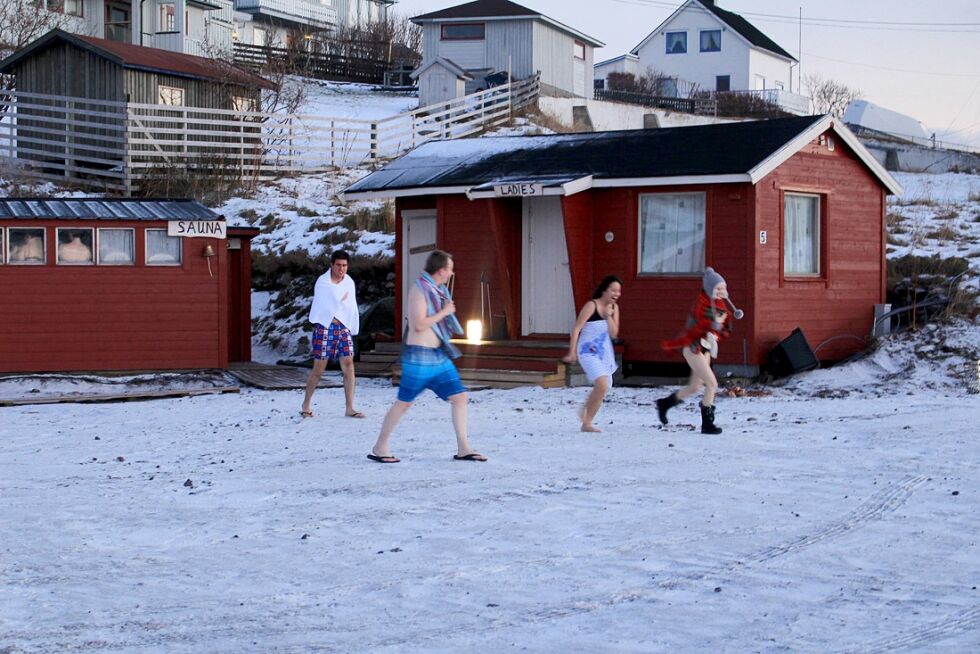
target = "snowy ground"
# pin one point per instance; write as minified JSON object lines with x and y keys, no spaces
{"x":836,"y":513}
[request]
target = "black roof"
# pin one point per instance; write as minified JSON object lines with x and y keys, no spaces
{"x":104,"y":209}
{"x":746,"y":29}
{"x":481,"y":9}
{"x":720,"y":149}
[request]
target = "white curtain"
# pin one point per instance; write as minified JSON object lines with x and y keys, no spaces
{"x":801,"y":246}
{"x":672,"y":233}
{"x":160,"y":248}
{"x":116,"y":246}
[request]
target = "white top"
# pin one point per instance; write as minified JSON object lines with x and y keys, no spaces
{"x":335,"y":301}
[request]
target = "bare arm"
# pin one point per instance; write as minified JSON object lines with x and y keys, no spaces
{"x":583,"y":317}
{"x":613,"y":321}
{"x":417,"y":309}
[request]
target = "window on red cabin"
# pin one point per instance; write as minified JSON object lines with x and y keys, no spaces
{"x":161,"y":249}
{"x":26,"y":246}
{"x":801,"y":235}
{"x":672,"y":233}
{"x":117,"y":246}
{"x":75,"y":246}
{"x":463,"y":32}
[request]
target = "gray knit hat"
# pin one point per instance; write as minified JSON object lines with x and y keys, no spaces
{"x":710,"y":281}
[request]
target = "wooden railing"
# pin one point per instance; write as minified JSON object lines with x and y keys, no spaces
{"x":318,"y":65}
{"x":695,"y":105}
{"x":115,"y":145}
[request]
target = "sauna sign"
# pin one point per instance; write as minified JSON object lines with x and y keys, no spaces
{"x":197,"y":228}
{"x":518,"y":190}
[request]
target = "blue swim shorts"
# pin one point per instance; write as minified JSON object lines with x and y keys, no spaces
{"x":427,"y":367}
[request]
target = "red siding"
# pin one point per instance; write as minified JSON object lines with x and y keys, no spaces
{"x":841,"y":302}
{"x":72,"y":318}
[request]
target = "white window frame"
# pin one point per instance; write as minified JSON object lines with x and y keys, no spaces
{"x":131,"y":262}
{"x":57,"y":238}
{"x":167,"y":94}
{"x":265,"y":37}
{"x":697,"y":270}
{"x":481,"y":37}
{"x":168,"y":264}
{"x":817,"y":236}
{"x":167,"y":17}
{"x":44,"y":247}
{"x":244,"y":104}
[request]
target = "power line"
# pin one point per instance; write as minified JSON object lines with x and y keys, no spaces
{"x":896,"y":70}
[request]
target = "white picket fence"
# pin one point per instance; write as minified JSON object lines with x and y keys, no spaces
{"x":115,"y":145}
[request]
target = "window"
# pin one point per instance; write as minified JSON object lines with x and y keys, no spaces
{"x":672,"y":233}
{"x":67,"y":7}
{"x":260,"y":37}
{"x":171,"y":95}
{"x":75,"y":247}
{"x":168,"y":18}
{"x":579,"y":50}
{"x":723,"y":83}
{"x":463,"y":32}
{"x":117,"y":247}
{"x":801,"y":234}
{"x":26,"y":246}
{"x":710,"y":40}
{"x":599,"y":84}
{"x":239,"y":103}
{"x":676,"y":42}
{"x":162,"y":250}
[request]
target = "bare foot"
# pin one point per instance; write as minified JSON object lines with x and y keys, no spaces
{"x":590,"y":429}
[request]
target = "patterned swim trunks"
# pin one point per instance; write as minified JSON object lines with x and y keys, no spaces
{"x":332,"y":342}
{"x":427,"y":367}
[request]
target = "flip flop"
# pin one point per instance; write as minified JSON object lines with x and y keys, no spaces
{"x":383,"y":459}
{"x":306,"y":414}
{"x":356,"y":414}
{"x":473,"y":456}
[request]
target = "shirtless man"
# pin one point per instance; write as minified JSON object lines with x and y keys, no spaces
{"x":427,"y":358}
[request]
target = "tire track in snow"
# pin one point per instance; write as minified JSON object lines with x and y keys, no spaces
{"x":962,"y":622}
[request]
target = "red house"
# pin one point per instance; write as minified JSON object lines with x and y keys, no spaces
{"x":98,"y":285}
{"x":790,"y":211}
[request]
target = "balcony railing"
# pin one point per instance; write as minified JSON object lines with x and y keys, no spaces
{"x":302,"y":12}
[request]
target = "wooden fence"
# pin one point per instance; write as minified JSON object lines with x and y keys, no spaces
{"x":319,"y":65}
{"x":116,"y":145}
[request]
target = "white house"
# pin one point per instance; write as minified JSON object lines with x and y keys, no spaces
{"x":712,"y":49}
{"x":627,"y":63}
{"x":488,"y":36}
{"x":275,"y":22}
{"x":198,"y":27}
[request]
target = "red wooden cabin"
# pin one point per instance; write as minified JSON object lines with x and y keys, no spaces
{"x":99,"y":285}
{"x":790,"y":211}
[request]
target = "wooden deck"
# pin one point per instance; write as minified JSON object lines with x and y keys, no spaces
{"x":280,"y":378}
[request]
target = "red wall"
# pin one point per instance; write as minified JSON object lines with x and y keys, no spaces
{"x":73,"y":318}
{"x":841,"y":302}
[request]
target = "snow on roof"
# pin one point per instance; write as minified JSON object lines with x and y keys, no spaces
{"x":870,"y":116}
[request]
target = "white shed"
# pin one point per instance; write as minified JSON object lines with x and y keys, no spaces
{"x":440,"y":80}
{"x":490,"y":36}
{"x":627,"y":63}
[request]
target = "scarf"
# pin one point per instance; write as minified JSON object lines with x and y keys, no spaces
{"x":435,"y":299}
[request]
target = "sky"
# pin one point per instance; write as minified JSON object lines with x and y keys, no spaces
{"x":918,"y":58}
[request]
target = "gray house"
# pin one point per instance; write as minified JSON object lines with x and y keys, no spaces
{"x":498,"y":36}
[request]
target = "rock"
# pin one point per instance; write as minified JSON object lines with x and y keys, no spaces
{"x":189,"y":484}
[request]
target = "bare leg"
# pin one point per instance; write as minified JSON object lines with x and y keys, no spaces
{"x":701,"y":370}
{"x":318,"y":367}
{"x":459,"y":404}
{"x":347,"y":367}
{"x":394,"y":414}
{"x":593,"y":403}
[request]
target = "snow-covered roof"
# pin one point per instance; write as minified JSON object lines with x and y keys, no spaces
{"x":704,"y":154}
{"x":868,"y":115}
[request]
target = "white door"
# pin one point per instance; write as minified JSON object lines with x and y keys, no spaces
{"x":547,"y":305}
{"x":418,"y":240}
{"x":578,"y":83}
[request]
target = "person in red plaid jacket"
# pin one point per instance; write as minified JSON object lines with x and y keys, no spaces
{"x":708,"y":323}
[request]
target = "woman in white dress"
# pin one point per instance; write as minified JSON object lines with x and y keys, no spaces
{"x":591,"y":345}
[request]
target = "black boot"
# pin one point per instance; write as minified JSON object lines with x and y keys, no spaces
{"x":708,"y":420}
{"x":664,"y":404}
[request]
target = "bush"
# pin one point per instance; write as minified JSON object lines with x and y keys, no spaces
{"x":372,"y":219}
{"x":745,"y":105}
{"x":914,"y":280}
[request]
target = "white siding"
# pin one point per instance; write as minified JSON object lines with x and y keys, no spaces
{"x":622,"y":65}
{"x":554,"y":57}
{"x":737,"y":57}
{"x":465,"y":54}
{"x":502,"y":38}
{"x":438,"y":85}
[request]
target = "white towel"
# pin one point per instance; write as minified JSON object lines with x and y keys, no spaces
{"x":595,"y":351}
{"x":329,"y":303}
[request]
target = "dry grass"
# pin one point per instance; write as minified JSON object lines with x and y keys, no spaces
{"x":944,"y":233}
{"x":546,"y":121}
{"x":949,"y":214}
{"x":301,"y":211}
{"x":371,"y":219}
{"x":918,"y":202}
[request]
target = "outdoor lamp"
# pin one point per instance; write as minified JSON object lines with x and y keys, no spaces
{"x":474,"y":331}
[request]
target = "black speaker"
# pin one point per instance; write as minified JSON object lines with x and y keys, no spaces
{"x":792,"y":355}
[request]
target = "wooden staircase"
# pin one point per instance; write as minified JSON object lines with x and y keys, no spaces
{"x":493,"y":364}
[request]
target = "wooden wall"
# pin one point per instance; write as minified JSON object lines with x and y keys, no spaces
{"x":93,"y":318}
